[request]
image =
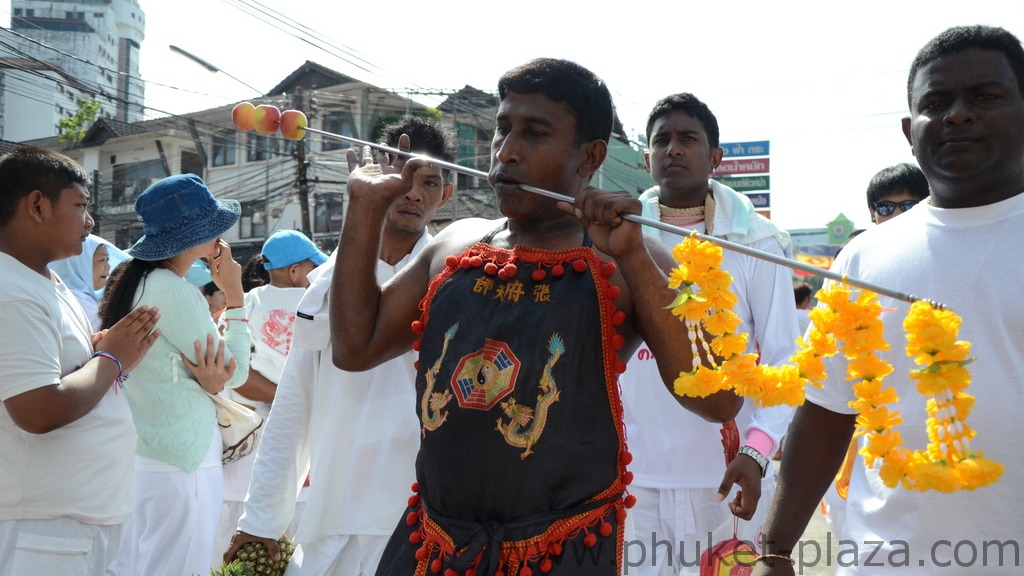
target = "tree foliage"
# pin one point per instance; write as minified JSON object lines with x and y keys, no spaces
{"x":72,"y":129}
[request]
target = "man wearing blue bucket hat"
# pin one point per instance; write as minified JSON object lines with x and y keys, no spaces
{"x":178,"y":478}
{"x":66,"y":436}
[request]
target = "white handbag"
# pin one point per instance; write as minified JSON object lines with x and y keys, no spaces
{"x":240,"y":428}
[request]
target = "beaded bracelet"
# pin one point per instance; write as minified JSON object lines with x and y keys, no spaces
{"x":121,"y":376}
{"x":761,"y":557}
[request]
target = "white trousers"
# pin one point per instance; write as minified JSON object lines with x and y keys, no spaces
{"x":57,"y":547}
{"x":338,"y":555}
{"x":172,"y":527}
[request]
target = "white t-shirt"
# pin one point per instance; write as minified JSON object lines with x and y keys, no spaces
{"x":82,"y":470}
{"x":271,"y":314}
{"x":966,"y":260}
{"x":673,"y":448}
{"x":354,"y":431}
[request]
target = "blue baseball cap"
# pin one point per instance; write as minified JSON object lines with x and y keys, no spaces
{"x":198,"y":274}
{"x":287,"y":247}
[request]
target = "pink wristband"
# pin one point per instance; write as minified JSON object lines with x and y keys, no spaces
{"x":761,"y":442}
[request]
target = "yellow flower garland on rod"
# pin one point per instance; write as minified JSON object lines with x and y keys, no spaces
{"x":709,"y":311}
{"x":850,"y":318}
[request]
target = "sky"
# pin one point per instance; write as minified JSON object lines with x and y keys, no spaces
{"x":823,"y":82}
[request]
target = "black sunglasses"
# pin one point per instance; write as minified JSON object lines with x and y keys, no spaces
{"x":886,"y":207}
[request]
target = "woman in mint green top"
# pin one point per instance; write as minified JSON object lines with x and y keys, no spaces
{"x":178,"y":479}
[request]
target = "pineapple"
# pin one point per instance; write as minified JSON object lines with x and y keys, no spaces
{"x":256,"y":560}
{"x":235,"y":568}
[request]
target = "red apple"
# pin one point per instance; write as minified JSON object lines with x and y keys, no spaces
{"x":241,"y":115}
{"x":266,"y":119}
{"x":293,"y":124}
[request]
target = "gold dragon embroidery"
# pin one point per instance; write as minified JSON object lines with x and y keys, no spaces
{"x":432,"y":402}
{"x":526,"y":424}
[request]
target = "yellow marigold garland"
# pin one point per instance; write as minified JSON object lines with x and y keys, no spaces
{"x":850,"y":319}
{"x":949,"y":463}
{"x":704,"y":303}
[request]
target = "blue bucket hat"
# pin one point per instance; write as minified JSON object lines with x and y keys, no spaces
{"x":287,"y":247}
{"x":178,"y":213}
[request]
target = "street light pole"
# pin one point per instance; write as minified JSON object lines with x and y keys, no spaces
{"x":211,"y":67}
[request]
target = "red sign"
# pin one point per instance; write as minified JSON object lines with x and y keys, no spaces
{"x":742,"y":166}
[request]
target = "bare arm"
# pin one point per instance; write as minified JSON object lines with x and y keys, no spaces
{"x":258,"y":387}
{"x":370,"y":325}
{"x":815,"y":447}
{"x":644,"y":263}
{"x":48,"y":408}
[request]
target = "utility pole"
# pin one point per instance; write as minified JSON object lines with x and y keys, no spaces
{"x":303,"y":179}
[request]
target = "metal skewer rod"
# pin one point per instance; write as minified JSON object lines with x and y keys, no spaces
{"x":781,"y":261}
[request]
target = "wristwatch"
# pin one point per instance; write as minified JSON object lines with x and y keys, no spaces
{"x":761,"y":460}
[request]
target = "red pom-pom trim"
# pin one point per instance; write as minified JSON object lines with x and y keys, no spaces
{"x":590,"y":540}
{"x":416,"y":365}
{"x":545,"y":566}
{"x":415,"y":538}
{"x":620,"y":366}
{"x":412,"y":518}
{"x":630,"y":501}
{"x":491,"y":268}
{"x":614,"y":291}
{"x":557,"y":270}
{"x":627,"y":478}
{"x":608,"y":268}
{"x":620,"y":516}
{"x":417,"y":326}
{"x":525,"y":571}
{"x":579,"y":265}
{"x":415,"y":487}
{"x":416,"y":346}
{"x":627,"y":458}
{"x":618,"y":318}
{"x":414,"y":500}
{"x":538,"y":275}
{"x":510,"y":270}
{"x":450,"y":572}
{"x":476,"y":261}
{"x":452,"y":261}
{"x":465,"y":262}
{"x":435,"y":566}
{"x":606,"y":529}
{"x":422,"y":553}
{"x":617,"y":342}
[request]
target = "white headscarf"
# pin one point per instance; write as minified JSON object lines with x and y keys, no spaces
{"x":77,"y":274}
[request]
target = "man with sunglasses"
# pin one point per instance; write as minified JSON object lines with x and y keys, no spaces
{"x":896,"y":187}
